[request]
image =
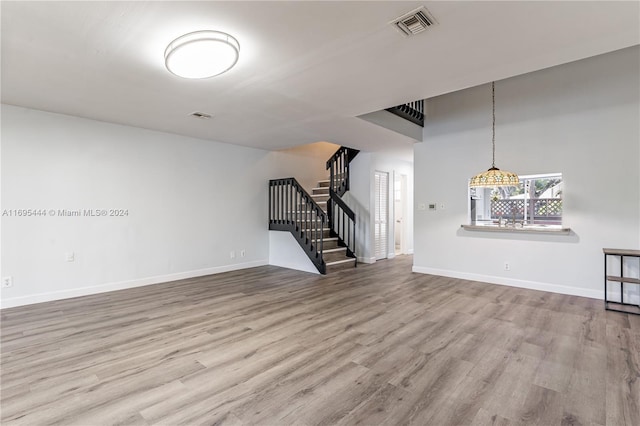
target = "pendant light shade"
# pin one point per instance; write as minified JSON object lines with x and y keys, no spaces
{"x":494,"y":176}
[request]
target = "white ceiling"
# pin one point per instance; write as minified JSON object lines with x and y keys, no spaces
{"x":306,"y":69}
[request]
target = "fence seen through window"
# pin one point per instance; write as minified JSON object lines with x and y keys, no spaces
{"x":536,"y":201}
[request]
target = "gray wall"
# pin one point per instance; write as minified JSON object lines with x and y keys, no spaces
{"x":580,"y":119}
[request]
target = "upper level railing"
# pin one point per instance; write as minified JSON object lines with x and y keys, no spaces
{"x":292,"y":209}
{"x":412,"y":111}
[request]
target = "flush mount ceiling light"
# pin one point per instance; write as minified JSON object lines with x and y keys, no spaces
{"x":202,"y":54}
{"x":494,"y":176}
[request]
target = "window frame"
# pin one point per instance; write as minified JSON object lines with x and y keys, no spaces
{"x":522,"y":220}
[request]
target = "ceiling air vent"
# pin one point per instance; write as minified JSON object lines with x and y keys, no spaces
{"x":200,"y":115}
{"x":414,"y":22}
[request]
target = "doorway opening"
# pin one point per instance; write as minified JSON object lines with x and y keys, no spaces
{"x":399,"y":207}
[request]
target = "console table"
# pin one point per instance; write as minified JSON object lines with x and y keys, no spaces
{"x":621,"y":306}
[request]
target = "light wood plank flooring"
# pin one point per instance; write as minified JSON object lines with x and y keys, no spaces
{"x":377,"y":345}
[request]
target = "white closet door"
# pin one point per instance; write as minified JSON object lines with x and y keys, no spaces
{"x":381,"y":226}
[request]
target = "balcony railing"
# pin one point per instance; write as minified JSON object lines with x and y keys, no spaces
{"x":535,"y":210}
{"x":412,"y":111}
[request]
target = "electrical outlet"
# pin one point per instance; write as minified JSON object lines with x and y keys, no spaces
{"x":242,"y":253}
{"x":7,"y":282}
{"x":70,"y":256}
{"x":232,"y":254}
{"x":422,"y":206}
{"x":507,"y":267}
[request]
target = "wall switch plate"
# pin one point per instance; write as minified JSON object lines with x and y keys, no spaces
{"x":7,"y":282}
{"x":232,"y":254}
{"x":70,"y":256}
{"x":422,"y":206}
{"x":242,"y":253}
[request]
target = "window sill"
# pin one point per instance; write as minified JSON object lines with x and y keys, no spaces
{"x":528,"y":229}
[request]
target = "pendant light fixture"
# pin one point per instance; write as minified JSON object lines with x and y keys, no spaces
{"x":494,"y":176}
{"x":202,"y":54}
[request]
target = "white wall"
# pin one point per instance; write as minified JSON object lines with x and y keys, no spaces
{"x":190,"y":202}
{"x":394,"y":122}
{"x":307,"y":163}
{"x":284,"y":251}
{"x":580,"y":119}
{"x":361,"y":198}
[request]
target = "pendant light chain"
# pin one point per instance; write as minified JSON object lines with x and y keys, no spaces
{"x":494,"y":177}
{"x":493,"y":126}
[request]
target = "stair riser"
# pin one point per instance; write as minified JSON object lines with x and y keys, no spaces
{"x":330,"y":244}
{"x":323,"y":184}
{"x":331,"y":257}
{"x":318,"y":191}
{"x":341,"y":266}
{"x":327,"y":244}
{"x":325,"y":233}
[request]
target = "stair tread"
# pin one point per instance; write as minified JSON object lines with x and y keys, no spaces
{"x":337,"y":262}
{"x":335,"y":250}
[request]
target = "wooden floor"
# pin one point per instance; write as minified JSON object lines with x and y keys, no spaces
{"x":269,"y":346}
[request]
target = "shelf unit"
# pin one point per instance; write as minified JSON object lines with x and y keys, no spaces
{"x":621,"y":306}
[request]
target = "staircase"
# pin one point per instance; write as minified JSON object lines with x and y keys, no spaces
{"x":335,"y":252}
{"x":321,"y":222}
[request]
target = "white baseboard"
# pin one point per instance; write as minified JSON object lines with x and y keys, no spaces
{"x":532,"y":285}
{"x":366,"y":260}
{"x":121,"y":285}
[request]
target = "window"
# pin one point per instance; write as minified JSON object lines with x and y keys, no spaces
{"x":536,"y":201}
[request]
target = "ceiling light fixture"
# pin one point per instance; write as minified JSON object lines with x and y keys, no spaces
{"x":202,"y":54}
{"x":494,"y":176}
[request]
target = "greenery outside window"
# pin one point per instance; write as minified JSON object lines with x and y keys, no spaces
{"x":536,"y":201}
